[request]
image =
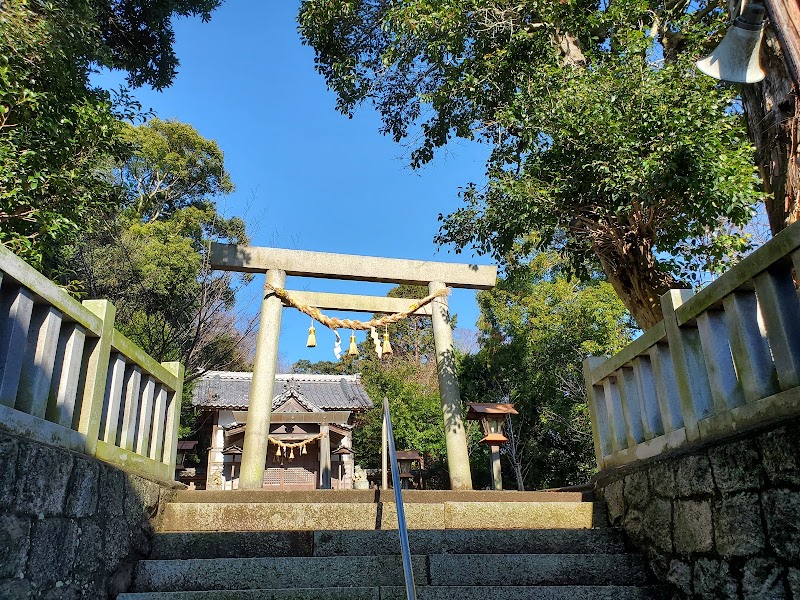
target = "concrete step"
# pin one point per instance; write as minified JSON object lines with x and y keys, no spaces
{"x":354,"y":571}
{"x":325,"y":516}
{"x":255,"y":544}
{"x":423,"y":593}
{"x":373,"y":496}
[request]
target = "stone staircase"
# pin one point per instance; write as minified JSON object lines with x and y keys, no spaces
{"x":327,"y":545}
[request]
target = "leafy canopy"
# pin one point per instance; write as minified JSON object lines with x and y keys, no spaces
{"x":151,"y":257}
{"x":59,"y":135}
{"x":536,"y":328}
{"x":173,"y":166}
{"x":601,"y":149}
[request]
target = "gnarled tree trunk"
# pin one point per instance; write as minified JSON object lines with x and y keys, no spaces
{"x":632,"y":270}
{"x":772,"y":109}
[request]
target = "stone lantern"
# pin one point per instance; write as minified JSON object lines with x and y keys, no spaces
{"x":345,"y":456}
{"x":405,"y":460}
{"x":492,"y":417}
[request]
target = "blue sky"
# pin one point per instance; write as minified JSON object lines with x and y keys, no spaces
{"x":307,"y":177}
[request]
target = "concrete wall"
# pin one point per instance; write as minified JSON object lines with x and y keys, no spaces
{"x":721,"y":521}
{"x":70,"y":526}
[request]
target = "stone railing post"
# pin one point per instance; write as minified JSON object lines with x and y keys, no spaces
{"x":601,"y":431}
{"x":173,"y":418}
{"x":16,"y":309}
{"x":94,"y":379}
{"x":780,"y":311}
{"x":325,"y":457}
{"x":691,"y":376}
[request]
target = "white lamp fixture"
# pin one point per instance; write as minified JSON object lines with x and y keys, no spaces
{"x":736,"y":59}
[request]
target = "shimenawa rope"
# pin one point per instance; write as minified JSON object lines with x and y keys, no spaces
{"x":334,"y":323}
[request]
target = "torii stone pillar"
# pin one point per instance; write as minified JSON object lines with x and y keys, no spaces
{"x":454,"y":433}
{"x":279,"y":263}
{"x":262,"y":388}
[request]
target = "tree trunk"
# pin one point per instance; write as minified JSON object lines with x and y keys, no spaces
{"x":772,"y":110}
{"x":633,"y":271}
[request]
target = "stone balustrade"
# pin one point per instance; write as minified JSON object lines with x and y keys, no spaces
{"x":69,"y":379}
{"x":723,"y":360}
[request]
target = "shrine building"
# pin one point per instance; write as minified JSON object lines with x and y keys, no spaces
{"x":310,"y":435}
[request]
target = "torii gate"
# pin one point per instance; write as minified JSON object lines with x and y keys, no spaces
{"x":278,"y":263}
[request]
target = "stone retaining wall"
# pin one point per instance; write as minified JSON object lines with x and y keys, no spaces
{"x":70,"y":526}
{"x":718,"y":522}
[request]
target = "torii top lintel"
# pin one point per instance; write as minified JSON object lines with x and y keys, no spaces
{"x":304,"y":263}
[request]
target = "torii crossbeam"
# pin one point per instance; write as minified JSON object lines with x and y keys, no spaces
{"x":278,"y":263}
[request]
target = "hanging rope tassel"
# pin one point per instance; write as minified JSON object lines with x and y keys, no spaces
{"x":387,"y":347}
{"x":312,"y":336}
{"x":353,"y":351}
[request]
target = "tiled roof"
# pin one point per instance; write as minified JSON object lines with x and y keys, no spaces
{"x":231,"y":390}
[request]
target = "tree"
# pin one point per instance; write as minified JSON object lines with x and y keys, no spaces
{"x":55,"y":132}
{"x":772,"y":108}
{"x":58,"y":133}
{"x":173,"y":167}
{"x":536,"y":327}
{"x":152,"y":257}
{"x":600,"y":149}
{"x":416,"y":417}
{"x":324,"y":367}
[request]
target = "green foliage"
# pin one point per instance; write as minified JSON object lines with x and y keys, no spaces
{"x":173,"y":166}
{"x":609,"y":148}
{"x":325,"y":367}
{"x":58,"y":134}
{"x":412,"y":338}
{"x":151,"y":259}
{"x":600,"y":149}
{"x":416,"y":416}
{"x":137,"y":37}
{"x":157,"y":275}
{"x":537,"y":326}
{"x":55,"y":132}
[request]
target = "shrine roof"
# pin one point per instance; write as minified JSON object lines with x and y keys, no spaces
{"x":231,"y":390}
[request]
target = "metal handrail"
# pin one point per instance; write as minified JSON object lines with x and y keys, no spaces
{"x":408,"y":572}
